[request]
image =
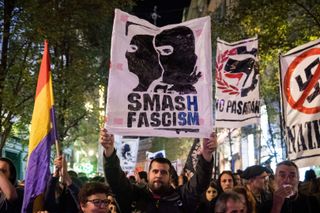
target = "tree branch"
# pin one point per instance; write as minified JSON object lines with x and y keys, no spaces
{"x":73,"y":124}
{"x":308,"y":12}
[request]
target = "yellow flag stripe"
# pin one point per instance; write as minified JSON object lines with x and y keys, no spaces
{"x":41,"y":121}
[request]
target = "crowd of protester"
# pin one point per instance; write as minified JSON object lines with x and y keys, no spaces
{"x":256,"y":189}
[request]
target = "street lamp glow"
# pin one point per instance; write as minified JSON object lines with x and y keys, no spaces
{"x":90,"y":152}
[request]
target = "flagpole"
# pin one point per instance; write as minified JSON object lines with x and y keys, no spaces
{"x":53,"y":111}
{"x":281,"y":113}
{"x":55,"y":133}
{"x":215,"y":156}
{"x":231,"y":152}
{"x":58,"y":150}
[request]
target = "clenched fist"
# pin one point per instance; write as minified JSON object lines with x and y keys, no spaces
{"x":107,"y":141}
{"x":209,"y":145}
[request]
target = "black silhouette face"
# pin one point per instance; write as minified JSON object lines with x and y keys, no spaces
{"x":143,"y":61}
{"x":238,"y":68}
{"x":176,"y":47}
{"x":125,"y":151}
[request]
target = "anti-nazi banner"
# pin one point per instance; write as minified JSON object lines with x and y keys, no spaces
{"x":160,"y":78}
{"x":237,"y":83}
{"x":300,"y":74}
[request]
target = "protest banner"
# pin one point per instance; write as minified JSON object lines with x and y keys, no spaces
{"x":300,"y":73}
{"x":237,"y":84}
{"x":160,"y":79}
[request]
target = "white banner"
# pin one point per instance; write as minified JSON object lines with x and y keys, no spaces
{"x":153,"y":155}
{"x":300,"y":74}
{"x":160,"y":78}
{"x":127,"y":150}
{"x":237,"y":83}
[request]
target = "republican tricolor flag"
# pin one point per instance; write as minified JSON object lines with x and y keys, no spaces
{"x":42,"y":136}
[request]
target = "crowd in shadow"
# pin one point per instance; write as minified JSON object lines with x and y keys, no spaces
{"x":256,"y":189}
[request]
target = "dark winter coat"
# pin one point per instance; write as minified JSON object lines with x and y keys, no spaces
{"x":67,"y":202}
{"x":132,"y":198}
{"x":300,"y":204}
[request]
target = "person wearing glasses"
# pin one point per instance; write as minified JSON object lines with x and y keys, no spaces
{"x":93,"y":198}
{"x":159,"y":196}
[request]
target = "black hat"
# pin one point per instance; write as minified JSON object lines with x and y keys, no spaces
{"x":253,"y":171}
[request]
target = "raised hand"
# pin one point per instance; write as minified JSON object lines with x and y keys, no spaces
{"x":107,"y":141}
{"x":209,"y":145}
{"x":279,"y":197}
{"x":57,"y":166}
{"x":62,"y":169}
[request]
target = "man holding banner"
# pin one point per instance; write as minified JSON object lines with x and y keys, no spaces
{"x":165,"y":76}
{"x":159,"y":196}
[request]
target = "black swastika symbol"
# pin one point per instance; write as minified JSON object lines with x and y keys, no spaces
{"x":302,"y":85}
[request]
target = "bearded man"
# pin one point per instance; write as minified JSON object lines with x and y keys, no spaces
{"x":159,"y":196}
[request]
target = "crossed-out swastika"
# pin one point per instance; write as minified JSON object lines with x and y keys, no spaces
{"x":309,"y":76}
{"x":310,"y":88}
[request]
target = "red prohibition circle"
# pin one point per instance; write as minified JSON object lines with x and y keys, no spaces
{"x":298,"y":105}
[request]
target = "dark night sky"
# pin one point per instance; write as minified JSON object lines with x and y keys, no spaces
{"x":170,"y":11}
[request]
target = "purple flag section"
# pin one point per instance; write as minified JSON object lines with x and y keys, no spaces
{"x":42,"y":136}
{"x":54,"y":124}
{"x":38,"y":172}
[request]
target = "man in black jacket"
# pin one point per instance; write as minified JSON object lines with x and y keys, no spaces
{"x":61,"y":197}
{"x":159,"y":196}
{"x":257,"y":178}
{"x":286,"y":197}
